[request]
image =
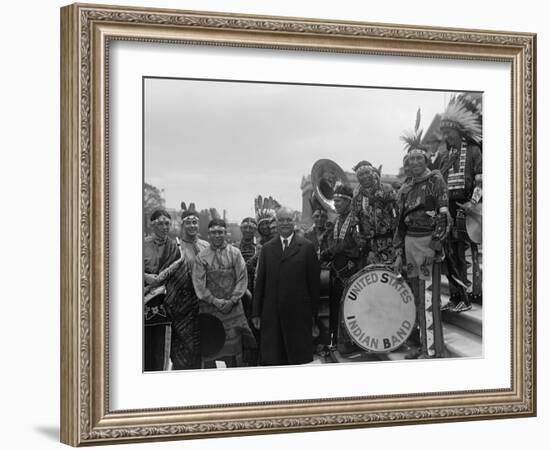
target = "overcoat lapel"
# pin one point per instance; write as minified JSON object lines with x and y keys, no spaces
{"x":277,"y":249}
{"x":292,"y":248}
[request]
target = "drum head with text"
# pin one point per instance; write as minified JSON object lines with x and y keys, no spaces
{"x":378,"y":309}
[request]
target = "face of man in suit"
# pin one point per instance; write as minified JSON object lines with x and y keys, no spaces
{"x":285,"y":222}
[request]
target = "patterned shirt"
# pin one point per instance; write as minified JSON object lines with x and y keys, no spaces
{"x":376,"y":210}
{"x":419,"y":202}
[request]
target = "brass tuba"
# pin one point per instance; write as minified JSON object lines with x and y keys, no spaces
{"x":325,"y":173}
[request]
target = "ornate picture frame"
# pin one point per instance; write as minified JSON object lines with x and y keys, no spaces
{"x":87,"y":31}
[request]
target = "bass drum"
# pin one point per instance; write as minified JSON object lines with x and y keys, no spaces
{"x":378,"y":309}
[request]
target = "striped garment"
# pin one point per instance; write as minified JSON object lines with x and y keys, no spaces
{"x":456,"y":179}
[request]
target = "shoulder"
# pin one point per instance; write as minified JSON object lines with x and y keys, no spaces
{"x":202,"y":243}
{"x":473,"y":146}
{"x":272,"y":242}
{"x":203,"y":253}
{"x":304,"y":242}
{"x":231,"y":248}
{"x":148,"y":239}
{"x":435,"y":175}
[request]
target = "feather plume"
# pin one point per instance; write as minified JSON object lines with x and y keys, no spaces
{"x":417,"y":123}
{"x":265,"y":207}
{"x":469,"y":122}
{"x":413,"y":138}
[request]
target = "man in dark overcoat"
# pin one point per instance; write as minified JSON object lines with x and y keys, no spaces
{"x":286,"y":296}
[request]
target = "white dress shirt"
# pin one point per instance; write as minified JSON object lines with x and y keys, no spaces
{"x":289,"y":240}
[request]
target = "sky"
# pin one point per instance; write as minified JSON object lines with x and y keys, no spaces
{"x":220,"y":144}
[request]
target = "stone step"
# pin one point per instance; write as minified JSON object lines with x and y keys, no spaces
{"x":458,"y":342}
{"x":471,"y":321}
{"x":461,"y":343}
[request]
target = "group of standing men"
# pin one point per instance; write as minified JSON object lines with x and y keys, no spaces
{"x":416,"y":229}
{"x":265,"y":291}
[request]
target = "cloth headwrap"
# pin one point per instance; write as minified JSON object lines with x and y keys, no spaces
{"x":363,"y":166}
{"x":186,"y":214}
{"x":420,"y":151}
{"x":159,"y":212}
{"x":249,"y":221}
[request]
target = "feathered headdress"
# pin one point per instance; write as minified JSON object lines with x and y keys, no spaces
{"x":464,"y":115}
{"x":186,"y":212}
{"x":265,"y":208}
{"x":413,"y":138}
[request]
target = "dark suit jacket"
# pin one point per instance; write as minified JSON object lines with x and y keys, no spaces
{"x":286,"y":298}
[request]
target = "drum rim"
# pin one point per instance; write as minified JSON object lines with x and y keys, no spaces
{"x":348,"y":284}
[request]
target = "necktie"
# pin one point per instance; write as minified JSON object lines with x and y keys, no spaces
{"x":285,"y":244}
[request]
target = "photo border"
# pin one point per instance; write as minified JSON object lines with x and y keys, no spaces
{"x":86,"y":32}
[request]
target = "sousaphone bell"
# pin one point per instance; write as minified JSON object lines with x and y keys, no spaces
{"x":325,"y":173}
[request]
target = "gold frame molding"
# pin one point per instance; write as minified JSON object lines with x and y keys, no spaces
{"x":86,"y":31}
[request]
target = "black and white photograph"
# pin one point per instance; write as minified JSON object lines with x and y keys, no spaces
{"x":288,"y":224}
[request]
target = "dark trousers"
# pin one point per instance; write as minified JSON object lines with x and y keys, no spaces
{"x":457,"y":267}
{"x":336,"y":291}
{"x":153,"y":347}
{"x":337,"y":331}
{"x":251,"y":354}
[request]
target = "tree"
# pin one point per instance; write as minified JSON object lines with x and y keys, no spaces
{"x":152,"y":199}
